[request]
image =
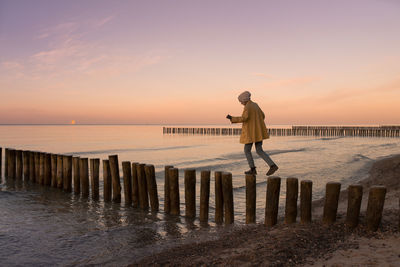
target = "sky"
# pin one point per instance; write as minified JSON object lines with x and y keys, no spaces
{"x":311,"y":62}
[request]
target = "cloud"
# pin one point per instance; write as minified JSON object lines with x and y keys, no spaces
{"x":11,"y":65}
{"x":101,"y":22}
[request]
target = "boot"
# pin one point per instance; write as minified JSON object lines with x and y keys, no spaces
{"x":272,"y":170}
{"x":252,"y":171}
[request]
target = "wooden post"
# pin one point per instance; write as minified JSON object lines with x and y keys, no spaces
{"x":5,"y":163}
{"x":305,"y":201}
{"x":331,"y":202}
{"x":41,"y":168}
{"x":54,"y":170}
{"x":59,"y":171}
{"x":167,"y":201}
{"x":292,"y":193}
{"x":25,"y":156}
{"x":251,"y":193}
{"x":84,"y":176}
{"x":190,"y":193}
{"x":127,"y":176}
{"x":272,"y":201}
{"x":116,"y":184}
{"x":152,"y":187}
{"x":67,"y":173}
{"x":173,"y":175}
{"x":37,"y":166}
{"x":355,"y":193}
{"x":227,"y":192}
{"x":94,"y":177}
{"x":1,"y":162}
{"x":135,"y":186}
{"x":47,"y":169}
{"x":204,"y":195}
{"x":107,"y":180}
{"x":219,"y":200}
{"x":376,"y":201}
{"x":31,"y":166}
{"x":77,"y":181}
{"x":143,"y":195}
{"x":19,"y":169}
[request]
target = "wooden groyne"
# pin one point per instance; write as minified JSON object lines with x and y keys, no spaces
{"x":64,"y":172}
{"x":356,"y":131}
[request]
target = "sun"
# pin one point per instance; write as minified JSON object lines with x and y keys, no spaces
{"x":73,"y":122}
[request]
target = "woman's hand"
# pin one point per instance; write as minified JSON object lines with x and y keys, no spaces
{"x":229,"y":117}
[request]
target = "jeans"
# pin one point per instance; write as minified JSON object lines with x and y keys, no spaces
{"x":260,"y":152}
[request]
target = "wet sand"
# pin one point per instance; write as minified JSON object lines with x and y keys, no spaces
{"x":305,"y":245}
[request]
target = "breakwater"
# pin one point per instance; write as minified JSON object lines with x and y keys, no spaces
{"x":80,"y":176}
{"x":356,"y":131}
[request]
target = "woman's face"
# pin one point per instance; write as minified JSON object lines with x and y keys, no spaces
{"x":243,"y":103}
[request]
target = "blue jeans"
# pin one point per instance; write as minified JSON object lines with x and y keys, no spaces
{"x":260,"y":152}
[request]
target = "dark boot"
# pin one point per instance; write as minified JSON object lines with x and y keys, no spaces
{"x":252,"y":171}
{"x":272,"y":170}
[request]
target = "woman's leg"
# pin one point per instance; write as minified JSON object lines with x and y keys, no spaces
{"x":249,"y":157}
{"x":263,"y":155}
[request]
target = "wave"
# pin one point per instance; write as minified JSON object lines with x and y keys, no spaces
{"x":359,"y":157}
{"x":109,"y":151}
{"x":225,"y":162}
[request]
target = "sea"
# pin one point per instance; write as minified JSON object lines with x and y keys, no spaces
{"x":45,"y":226}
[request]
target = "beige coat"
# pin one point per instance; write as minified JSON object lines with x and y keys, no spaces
{"x":253,"y":125}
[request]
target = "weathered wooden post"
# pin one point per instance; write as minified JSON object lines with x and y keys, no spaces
{"x":60,"y":171}
{"x":219,"y":200}
{"x":25,"y":156}
{"x":31,"y":166}
{"x":135,"y":186}
{"x":127,"y":176}
{"x":376,"y":201}
{"x":227,"y":192}
{"x":272,"y":201}
{"x":5,"y":162}
{"x":331,"y":202}
{"x":305,"y":201}
{"x":84,"y":176}
{"x":173,"y":175}
{"x":167,"y":201}
{"x":67,"y":173}
{"x":19,"y":167}
{"x":54,"y":170}
{"x":77,"y":181}
{"x":143,"y":195}
{"x":355,"y":193}
{"x":190,"y":193}
{"x":41,"y":168}
{"x":94,"y":177}
{"x":251,"y":194}
{"x":204,"y":195}
{"x":292,"y":193}
{"x":47,"y":169}
{"x":107,"y":180}
{"x":152,"y":187}
{"x":116,"y":184}
{"x":37,"y":166}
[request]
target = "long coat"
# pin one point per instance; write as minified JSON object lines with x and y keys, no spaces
{"x":253,"y":125}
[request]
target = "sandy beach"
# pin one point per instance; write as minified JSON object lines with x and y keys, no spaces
{"x":305,"y":245}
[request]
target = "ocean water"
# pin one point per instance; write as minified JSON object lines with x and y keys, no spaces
{"x":43,"y":226}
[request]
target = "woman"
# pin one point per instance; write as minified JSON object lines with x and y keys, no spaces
{"x":253,"y":131}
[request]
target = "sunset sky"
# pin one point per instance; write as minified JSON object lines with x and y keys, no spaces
{"x":169,"y":62}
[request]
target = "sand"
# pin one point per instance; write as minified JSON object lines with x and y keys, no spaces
{"x":305,"y":245}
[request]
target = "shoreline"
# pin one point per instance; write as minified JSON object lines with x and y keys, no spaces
{"x":304,"y":245}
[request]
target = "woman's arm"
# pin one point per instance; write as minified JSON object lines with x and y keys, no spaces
{"x":243,"y":118}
